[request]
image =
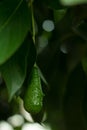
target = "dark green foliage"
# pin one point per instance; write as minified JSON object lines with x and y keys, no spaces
{"x":61,"y":57}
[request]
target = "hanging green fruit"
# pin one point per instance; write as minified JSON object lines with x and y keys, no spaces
{"x":33,"y":100}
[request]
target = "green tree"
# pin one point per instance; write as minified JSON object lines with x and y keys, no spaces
{"x":50,"y":35}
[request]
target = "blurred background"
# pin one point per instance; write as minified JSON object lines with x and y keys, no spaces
{"x":61,"y":43}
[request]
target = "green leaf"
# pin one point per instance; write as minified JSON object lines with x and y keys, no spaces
{"x":15,"y":22}
{"x":14,"y":70}
{"x":73,"y":2}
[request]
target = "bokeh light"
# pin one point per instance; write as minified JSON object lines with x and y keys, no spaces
{"x":16,"y":120}
{"x":48,"y":25}
{"x":42,"y":43}
{"x":5,"y":126}
{"x":63,"y":48}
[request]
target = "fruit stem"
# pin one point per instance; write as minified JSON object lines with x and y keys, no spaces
{"x":33,"y":21}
